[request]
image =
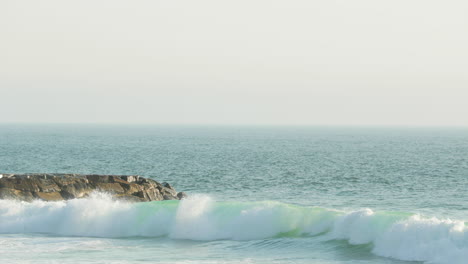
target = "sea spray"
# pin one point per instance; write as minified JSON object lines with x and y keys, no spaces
{"x":193,"y":220}
{"x":397,"y":235}
{"x":422,"y":239}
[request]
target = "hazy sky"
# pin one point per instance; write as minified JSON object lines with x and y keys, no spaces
{"x":371,"y":62}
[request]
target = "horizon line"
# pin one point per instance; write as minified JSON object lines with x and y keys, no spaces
{"x":235,"y":124}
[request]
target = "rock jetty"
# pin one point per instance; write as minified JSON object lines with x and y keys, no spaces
{"x":56,"y":187}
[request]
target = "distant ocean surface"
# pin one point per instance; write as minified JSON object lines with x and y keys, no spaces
{"x":323,"y":195}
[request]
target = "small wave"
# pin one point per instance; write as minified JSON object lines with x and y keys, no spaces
{"x":396,"y":235}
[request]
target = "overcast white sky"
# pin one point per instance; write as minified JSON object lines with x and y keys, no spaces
{"x":363,"y":62}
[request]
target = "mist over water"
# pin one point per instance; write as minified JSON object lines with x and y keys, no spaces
{"x":257,"y":195}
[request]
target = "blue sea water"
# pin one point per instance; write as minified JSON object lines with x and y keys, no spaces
{"x":256,"y":195}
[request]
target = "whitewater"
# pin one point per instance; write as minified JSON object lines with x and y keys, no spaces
{"x":256,"y":195}
{"x":402,"y":236}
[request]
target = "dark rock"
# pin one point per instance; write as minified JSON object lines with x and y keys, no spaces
{"x":130,"y":178}
{"x":153,"y":194}
{"x":169,"y":197}
{"x":22,"y":183}
{"x":132,"y":188}
{"x":7,"y":193}
{"x":76,"y":189}
{"x":110,"y":187}
{"x":129,"y":198}
{"x":181,"y":195}
{"x":142,"y":180}
{"x":49,"y":196}
{"x":48,"y":185}
{"x":55,"y":187}
{"x":98,"y":178}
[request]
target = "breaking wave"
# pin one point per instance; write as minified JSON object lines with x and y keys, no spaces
{"x":396,"y":235}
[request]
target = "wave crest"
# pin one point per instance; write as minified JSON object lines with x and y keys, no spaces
{"x":397,"y":235}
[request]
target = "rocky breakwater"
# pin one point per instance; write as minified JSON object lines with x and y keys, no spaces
{"x":56,"y":187}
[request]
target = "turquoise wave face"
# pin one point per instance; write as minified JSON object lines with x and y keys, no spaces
{"x":398,"y":235}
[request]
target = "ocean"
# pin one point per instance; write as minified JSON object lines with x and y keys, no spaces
{"x":323,"y":195}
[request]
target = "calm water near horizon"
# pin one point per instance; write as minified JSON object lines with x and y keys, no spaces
{"x":257,"y":195}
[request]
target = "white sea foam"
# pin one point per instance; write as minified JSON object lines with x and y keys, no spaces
{"x":396,"y":235}
{"x":412,"y":238}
